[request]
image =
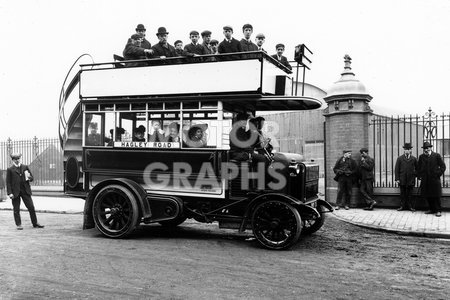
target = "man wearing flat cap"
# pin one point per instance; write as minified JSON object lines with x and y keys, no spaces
{"x":18,"y":178}
{"x":280,"y":58}
{"x":345,"y":170}
{"x":134,"y":51}
{"x":430,"y":168}
{"x":246,"y":42}
{"x":163,"y":49}
{"x":405,"y":176}
{"x":194,"y":48}
{"x":365,"y":172}
{"x":260,"y":39}
{"x":206,"y":40}
{"x":229,"y":44}
{"x":214,"y":49}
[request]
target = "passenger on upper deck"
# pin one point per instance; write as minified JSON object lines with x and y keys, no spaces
{"x":156,"y":133}
{"x":163,"y":49}
{"x":206,"y":37}
{"x":279,"y":56}
{"x":179,"y":48}
{"x":194,"y":48}
{"x":246,"y":42}
{"x":260,"y":39}
{"x":134,"y":51}
{"x":140,"y":29}
{"x":229,"y":44}
{"x":214,"y":46}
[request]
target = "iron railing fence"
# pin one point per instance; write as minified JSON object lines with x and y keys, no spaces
{"x":42,"y":155}
{"x":387,"y":135}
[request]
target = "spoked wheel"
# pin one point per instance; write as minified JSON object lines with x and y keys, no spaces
{"x":115,"y":211}
{"x":276,"y":225}
{"x":314,"y":223}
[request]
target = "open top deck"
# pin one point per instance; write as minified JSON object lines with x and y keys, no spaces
{"x":249,"y":76}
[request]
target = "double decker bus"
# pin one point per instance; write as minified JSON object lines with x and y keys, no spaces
{"x":152,"y":144}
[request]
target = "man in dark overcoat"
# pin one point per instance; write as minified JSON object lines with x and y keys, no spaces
{"x":280,"y":57}
{"x":430,"y":168}
{"x":140,"y":29}
{"x":345,"y":170}
{"x":229,"y":44}
{"x":405,"y":176}
{"x":365,"y":172}
{"x":134,"y":51}
{"x":163,"y":49}
{"x":206,"y":37}
{"x":194,"y":48}
{"x":246,"y":42}
{"x":18,"y":178}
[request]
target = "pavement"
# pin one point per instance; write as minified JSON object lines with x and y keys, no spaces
{"x":52,"y":204}
{"x":385,"y":219}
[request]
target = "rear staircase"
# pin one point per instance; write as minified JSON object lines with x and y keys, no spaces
{"x":71,"y":136}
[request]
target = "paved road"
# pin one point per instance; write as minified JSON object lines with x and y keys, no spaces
{"x":199,"y":261}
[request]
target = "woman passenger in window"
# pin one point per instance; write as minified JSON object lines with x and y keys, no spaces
{"x":156,"y":133}
{"x":174,"y":133}
{"x":196,"y":137}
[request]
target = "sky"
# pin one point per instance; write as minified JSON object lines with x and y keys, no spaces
{"x":400,"y":49}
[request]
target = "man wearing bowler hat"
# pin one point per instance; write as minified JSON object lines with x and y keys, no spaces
{"x":405,"y":176}
{"x":18,"y":178}
{"x":430,"y":169}
{"x":140,"y":29}
{"x":345,"y":169}
{"x":163,"y":49}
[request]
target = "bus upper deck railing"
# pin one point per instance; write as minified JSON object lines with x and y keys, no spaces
{"x":192,"y":59}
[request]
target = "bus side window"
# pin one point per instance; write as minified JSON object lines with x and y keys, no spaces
{"x":93,"y":130}
{"x":196,"y":136}
{"x":173,"y":132}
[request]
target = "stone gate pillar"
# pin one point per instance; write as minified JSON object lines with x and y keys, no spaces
{"x":346,"y":125}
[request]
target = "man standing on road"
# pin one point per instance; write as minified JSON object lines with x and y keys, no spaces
{"x":405,"y":176}
{"x":18,"y":178}
{"x":365,"y":168}
{"x":345,"y":169}
{"x":430,"y":168}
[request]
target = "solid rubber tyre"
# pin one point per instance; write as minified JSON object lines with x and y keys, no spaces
{"x":276,"y":224}
{"x":115,"y":211}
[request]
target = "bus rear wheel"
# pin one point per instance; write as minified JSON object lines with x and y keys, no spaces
{"x":276,"y":225}
{"x":115,"y":211}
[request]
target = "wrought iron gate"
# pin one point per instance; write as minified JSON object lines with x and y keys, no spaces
{"x":42,"y":155}
{"x":387,"y":136}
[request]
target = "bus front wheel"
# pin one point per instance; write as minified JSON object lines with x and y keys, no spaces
{"x":276,"y":224}
{"x":115,"y":211}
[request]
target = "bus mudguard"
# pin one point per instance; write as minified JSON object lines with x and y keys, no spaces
{"x":134,"y":187}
